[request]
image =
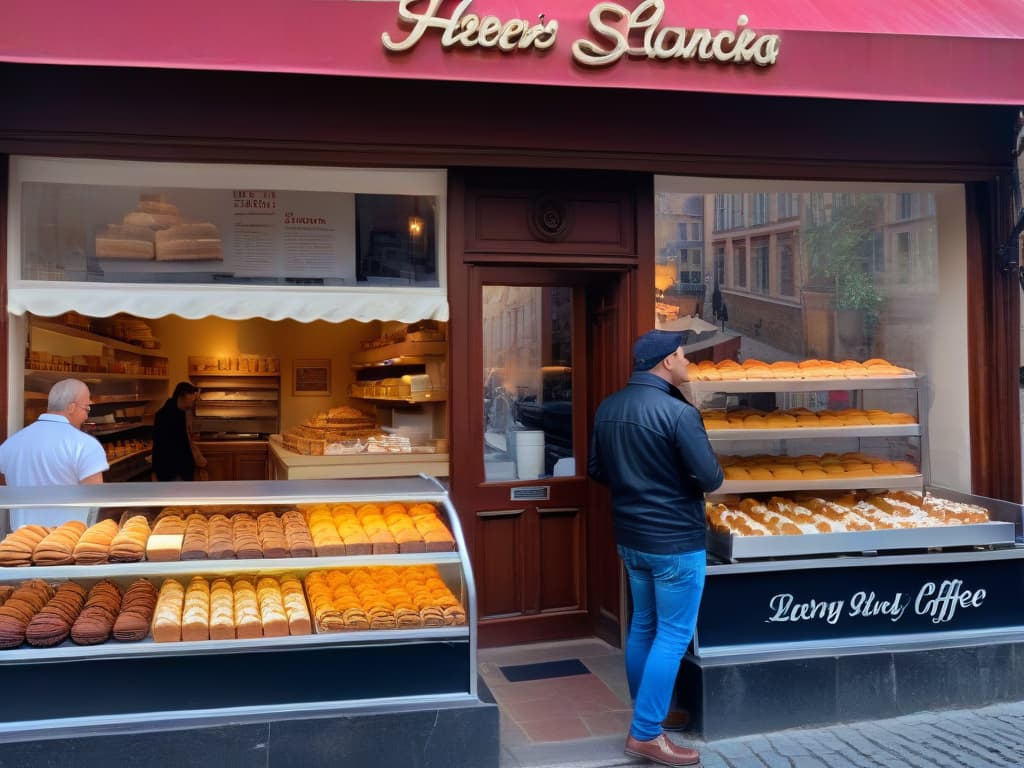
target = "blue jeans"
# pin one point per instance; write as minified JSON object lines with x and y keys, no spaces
{"x":666,"y":595}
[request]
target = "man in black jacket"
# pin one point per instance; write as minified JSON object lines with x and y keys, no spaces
{"x":174,"y":456}
{"x":650,"y":448}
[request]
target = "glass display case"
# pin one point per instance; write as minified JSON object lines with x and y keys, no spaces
{"x":388,"y":596}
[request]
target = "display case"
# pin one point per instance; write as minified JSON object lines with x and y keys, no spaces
{"x":848,"y":617}
{"x":427,"y":665}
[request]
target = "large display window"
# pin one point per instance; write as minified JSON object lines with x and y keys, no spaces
{"x":306,"y":243}
{"x":799,"y":272}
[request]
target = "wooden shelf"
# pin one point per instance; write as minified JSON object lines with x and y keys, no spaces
{"x":81,"y":333}
{"x":434,"y":396}
{"x":102,"y":399}
{"x":123,"y":460}
{"x":100,"y":375}
{"x":117,"y":428}
{"x":232,"y":374}
{"x":403,"y":353}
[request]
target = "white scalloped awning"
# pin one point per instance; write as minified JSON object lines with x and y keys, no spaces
{"x":234,"y":302}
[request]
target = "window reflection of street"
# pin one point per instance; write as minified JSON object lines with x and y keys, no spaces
{"x":527,"y":382}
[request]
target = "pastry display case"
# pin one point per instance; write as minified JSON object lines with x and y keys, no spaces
{"x":257,"y":598}
{"x":805,"y":479}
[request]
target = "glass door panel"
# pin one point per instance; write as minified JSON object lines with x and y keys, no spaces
{"x":527,"y":358}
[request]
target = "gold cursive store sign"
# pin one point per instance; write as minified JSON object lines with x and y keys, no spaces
{"x":613,"y":26}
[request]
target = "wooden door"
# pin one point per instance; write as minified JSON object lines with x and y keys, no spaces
{"x":529,"y":512}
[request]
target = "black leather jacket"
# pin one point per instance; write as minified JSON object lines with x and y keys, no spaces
{"x":650,"y":448}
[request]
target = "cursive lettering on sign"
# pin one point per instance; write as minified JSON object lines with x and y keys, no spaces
{"x":941,"y":602}
{"x":614,"y":24}
{"x":866,"y":604}
{"x":785,"y":608}
{"x":469,"y":30}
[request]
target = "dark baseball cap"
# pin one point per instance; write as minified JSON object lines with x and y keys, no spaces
{"x":653,"y":347}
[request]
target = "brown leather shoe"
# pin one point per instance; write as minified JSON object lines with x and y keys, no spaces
{"x":676,"y":720}
{"x":661,"y":750}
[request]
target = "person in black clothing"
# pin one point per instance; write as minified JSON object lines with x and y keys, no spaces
{"x":174,"y":455}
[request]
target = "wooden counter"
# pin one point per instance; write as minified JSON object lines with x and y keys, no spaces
{"x":288,"y":465}
{"x":235,"y":459}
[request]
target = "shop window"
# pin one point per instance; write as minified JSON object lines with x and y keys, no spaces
{"x":856,"y":271}
{"x":788,"y":205}
{"x":787,"y":283}
{"x":739,"y":265}
{"x":722,"y":213}
{"x":719,"y":265}
{"x":759,"y":266}
{"x":114,"y":222}
{"x":759,"y":209}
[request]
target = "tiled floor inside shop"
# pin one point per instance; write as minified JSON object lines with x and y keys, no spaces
{"x":594,"y":702}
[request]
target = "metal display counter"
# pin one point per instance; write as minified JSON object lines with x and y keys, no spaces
{"x":816,"y":628}
{"x":157,"y":698}
{"x":863,"y":635}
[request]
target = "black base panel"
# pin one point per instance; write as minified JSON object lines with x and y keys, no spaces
{"x":741,"y":699}
{"x":464,"y":737}
{"x":97,"y":687}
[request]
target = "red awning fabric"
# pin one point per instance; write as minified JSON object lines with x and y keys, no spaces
{"x":955,"y":51}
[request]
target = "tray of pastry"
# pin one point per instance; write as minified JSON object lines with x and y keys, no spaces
{"x":809,"y":524}
{"x":233,"y":535}
{"x":42,"y":619}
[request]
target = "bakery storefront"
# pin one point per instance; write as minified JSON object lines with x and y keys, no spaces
{"x":422,"y":241}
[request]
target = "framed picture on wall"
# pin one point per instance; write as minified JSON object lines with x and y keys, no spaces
{"x":311,"y":377}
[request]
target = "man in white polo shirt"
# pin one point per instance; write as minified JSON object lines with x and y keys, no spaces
{"x":54,"y":451}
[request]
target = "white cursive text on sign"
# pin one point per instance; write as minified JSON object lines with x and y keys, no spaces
{"x":615,"y":23}
{"x":938,"y":601}
{"x":468,"y":29}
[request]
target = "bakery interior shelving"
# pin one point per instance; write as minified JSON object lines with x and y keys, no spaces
{"x":407,"y":377}
{"x":120,"y":360}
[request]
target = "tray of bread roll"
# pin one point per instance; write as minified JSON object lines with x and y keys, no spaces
{"x":226,"y":539}
{"x":46,"y":619}
{"x":810,"y":472}
{"x":812,"y":523}
{"x":802,"y":424}
{"x":805,"y":376}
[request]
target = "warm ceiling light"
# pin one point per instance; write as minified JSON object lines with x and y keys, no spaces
{"x":415,"y":226}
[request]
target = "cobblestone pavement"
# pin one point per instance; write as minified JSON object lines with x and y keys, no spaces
{"x":970,"y":738}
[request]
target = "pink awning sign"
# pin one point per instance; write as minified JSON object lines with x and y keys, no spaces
{"x":957,"y":51}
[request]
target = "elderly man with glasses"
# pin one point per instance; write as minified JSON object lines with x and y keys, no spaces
{"x":53,"y":450}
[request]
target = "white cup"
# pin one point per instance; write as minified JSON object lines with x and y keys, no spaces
{"x":529,"y":454}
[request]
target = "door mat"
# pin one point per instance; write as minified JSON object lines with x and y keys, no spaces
{"x":520,"y":673}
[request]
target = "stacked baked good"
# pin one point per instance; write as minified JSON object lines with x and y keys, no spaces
{"x":155,"y":230}
{"x":436,"y":536}
{"x":96,"y":621}
{"x":338,"y":424}
{"x":381,"y":598}
{"x":838,"y":514}
{"x":755,"y":370}
{"x":19,"y":608}
{"x":800,"y":418}
{"x":810,"y":467}
{"x":58,"y":546}
{"x":167,"y":538}
{"x":196,"y":542}
{"x":297,"y":535}
{"x":343,"y":529}
{"x":136,"y":614}
{"x":270,"y":532}
{"x":93,"y":547}
{"x":52,"y":625}
{"x":226,"y":609}
{"x":17,"y":548}
{"x":221,"y":537}
{"x":245,"y":535}
{"x":129,"y":545}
